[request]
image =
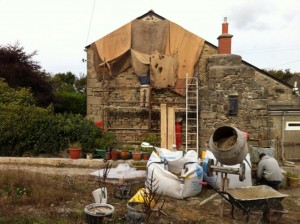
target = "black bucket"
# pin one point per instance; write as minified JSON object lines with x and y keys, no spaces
{"x":95,"y":213}
{"x":134,"y":213}
{"x":228,"y":145}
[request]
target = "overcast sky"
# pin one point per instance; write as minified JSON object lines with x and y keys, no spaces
{"x":266,"y":33}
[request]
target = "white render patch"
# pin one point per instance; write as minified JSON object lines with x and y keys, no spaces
{"x":292,"y":126}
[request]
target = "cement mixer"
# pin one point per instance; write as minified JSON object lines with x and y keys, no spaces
{"x":229,"y":146}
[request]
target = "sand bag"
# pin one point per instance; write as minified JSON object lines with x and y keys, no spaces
{"x":177,"y":173}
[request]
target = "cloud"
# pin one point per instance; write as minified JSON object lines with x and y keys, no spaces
{"x":252,"y":15}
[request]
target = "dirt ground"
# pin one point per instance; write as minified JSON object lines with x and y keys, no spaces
{"x":175,"y":211}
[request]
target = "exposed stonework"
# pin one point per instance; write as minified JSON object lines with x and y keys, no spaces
{"x":117,"y":101}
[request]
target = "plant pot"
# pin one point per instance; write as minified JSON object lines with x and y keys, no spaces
{"x":146,"y":155}
{"x":293,"y":181}
{"x":89,"y":156}
{"x":74,"y":153}
{"x":124,"y":155}
{"x":107,"y":155}
{"x":114,"y":155}
{"x":136,"y":156}
{"x":101,"y":153}
{"x":135,"y":213}
{"x":96,"y":212}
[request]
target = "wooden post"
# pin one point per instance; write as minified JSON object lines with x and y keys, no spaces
{"x":163,"y":125}
{"x":224,"y":187}
{"x":171,"y":128}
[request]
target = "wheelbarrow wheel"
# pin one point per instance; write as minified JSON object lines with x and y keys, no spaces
{"x":273,"y":215}
{"x":237,"y":213}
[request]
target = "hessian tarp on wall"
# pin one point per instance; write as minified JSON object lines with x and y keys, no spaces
{"x":162,"y":48}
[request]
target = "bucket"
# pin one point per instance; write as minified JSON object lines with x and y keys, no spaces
{"x":135,"y":213}
{"x":140,"y":195}
{"x":228,"y":145}
{"x":100,"y":195}
{"x":96,"y":212}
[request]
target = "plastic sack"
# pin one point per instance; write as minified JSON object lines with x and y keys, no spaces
{"x":234,"y":181}
{"x":122,"y":171}
{"x":177,"y":173}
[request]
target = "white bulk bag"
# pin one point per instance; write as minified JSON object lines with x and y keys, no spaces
{"x":177,"y":173}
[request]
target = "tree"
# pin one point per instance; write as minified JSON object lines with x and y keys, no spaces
{"x":20,"y":70}
{"x":280,"y":74}
{"x":70,"y":93}
{"x":9,"y":95}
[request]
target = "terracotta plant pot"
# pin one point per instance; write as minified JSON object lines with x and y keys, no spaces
{"x":146,"y":156}
{"x":293,"y":181}
{"x":136,"y":156}
{"x":114,"y":155}
{"x":107,"y":156}
{"x":124,"y":155}
{"x":74,"y":153}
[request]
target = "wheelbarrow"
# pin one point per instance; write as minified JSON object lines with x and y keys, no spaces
{"x":254,"y":198}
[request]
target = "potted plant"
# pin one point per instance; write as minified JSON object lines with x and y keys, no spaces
{"x":152,"y":139}
{"x":104,"y":144}
{"x":125,"y":153}
{"x":114,"y":155}
{"x":292,"y":179}
{"x":74,"y":150}
{"x":136,"y":154}
{"x":89,"y":155}
{"x":146,"y":153}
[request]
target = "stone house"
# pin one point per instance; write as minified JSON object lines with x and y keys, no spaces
{"x":139,"y":78}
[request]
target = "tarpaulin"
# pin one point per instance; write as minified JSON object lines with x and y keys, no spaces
{"x":188,"y":47}
{"x":162,"y":48}
{"x":114,"y":44}
{"x":140,"y":62}
{"x":163,"y":70}
{"x":113,"y":51}
{"x":148,"y":37}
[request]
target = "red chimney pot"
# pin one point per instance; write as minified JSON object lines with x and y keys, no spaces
{"x":224,"y":39}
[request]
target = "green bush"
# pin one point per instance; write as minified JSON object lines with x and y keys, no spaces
{"x":26,"y":128}
{"x":37,"y":130}
{"x":70,"y":102}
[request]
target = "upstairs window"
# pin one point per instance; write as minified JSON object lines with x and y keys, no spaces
{"x":233,"y":105}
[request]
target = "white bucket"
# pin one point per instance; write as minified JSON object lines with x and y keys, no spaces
{"x":100,"y":195}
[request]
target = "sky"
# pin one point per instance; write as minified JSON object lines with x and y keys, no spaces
{"x":265,"y":32}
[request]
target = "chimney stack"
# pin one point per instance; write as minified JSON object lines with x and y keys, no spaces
{"x":224,"y":39}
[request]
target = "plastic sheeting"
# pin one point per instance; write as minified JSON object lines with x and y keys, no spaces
{"x":122,"y":171}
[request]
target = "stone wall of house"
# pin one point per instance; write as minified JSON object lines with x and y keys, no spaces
{"x":227,"y":76}
{"x":116,"y":102}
